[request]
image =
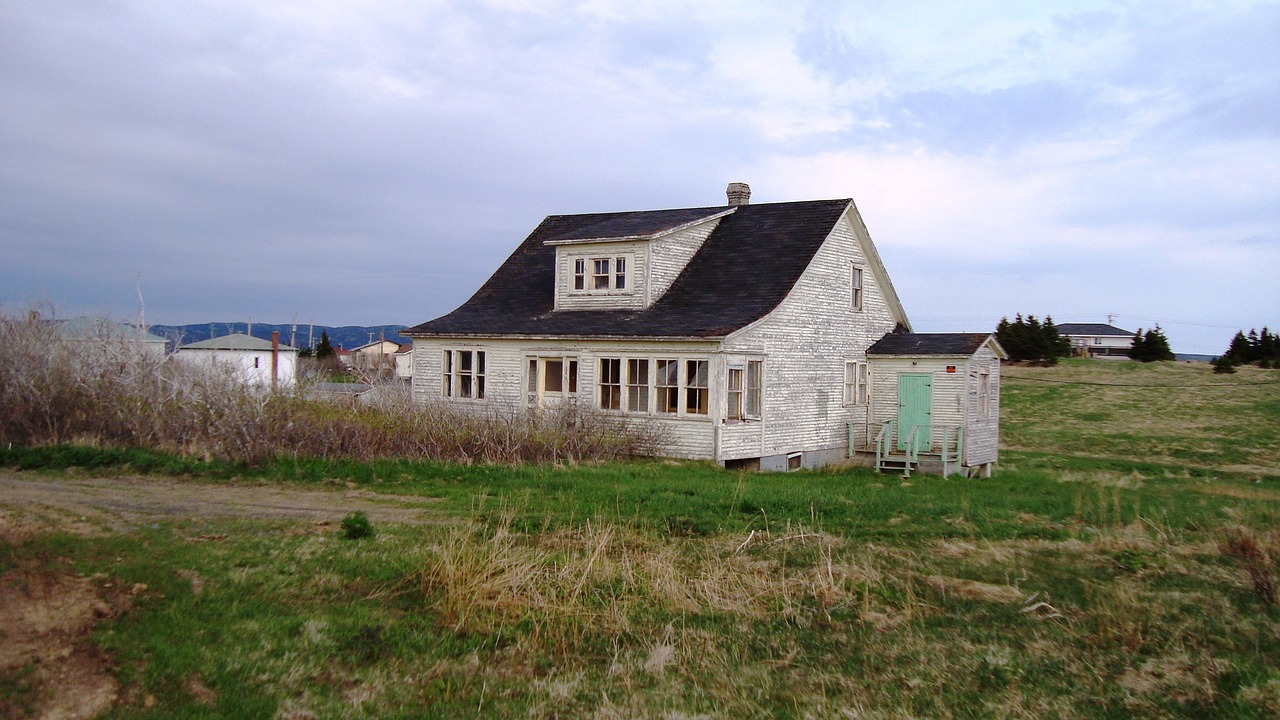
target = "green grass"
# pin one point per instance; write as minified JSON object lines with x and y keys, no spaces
{"x":676,"y":589}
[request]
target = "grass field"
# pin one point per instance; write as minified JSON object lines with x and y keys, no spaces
{"x":1116,"y":565}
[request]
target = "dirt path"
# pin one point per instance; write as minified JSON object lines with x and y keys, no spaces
{"x":32,"y":504}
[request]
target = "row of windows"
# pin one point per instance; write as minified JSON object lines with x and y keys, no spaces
{"x":644,"y":385}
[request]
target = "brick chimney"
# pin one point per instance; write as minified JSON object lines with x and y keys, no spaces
{"x":739,"y":193}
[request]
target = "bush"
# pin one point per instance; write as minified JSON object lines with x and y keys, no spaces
{"x":106,"y":391}
{"x":356,"y":526}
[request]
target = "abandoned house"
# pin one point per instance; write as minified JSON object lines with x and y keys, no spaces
{"x":762,"y":336}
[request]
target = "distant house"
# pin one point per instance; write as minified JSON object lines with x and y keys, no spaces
{"x":758,"y":336}
{"x":252,"y":359}
{"x":101,"y":330}
{"x":404,"y":362}
{"x":377,"y":358}
{"x":1097,"y":339}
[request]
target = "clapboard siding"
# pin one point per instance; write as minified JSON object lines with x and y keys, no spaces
{"x":808,"y":339}
{"x":983,"y":433}
{"x":505,"y":379}
{"x":668,"y":256}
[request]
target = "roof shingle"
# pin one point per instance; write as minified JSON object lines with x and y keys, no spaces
{"x":745,"y":268}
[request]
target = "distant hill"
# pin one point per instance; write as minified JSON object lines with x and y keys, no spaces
{"x":299,"y":336}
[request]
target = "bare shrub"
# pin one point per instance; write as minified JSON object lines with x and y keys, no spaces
{"x":107,"y":390}
{"x":1245,"y":546}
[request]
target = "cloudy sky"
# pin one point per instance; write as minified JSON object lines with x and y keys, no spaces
{"x":364,"y":163}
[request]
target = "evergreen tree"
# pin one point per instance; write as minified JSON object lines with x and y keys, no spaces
{"x":324,"y":350}
{"x":1030,"y":339}
{"x":1151,"y":346}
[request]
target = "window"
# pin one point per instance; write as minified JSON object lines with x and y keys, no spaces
{"x":610,"y":383}
{"x":735,"y":394}
{"x":601,"y":274}
{"x":695,"y":382}
{"x":553,"y":377}
{"x":984,"y":393}
{"x":855,"y":383}
{"x":857,"y":288}
{"x":668,"y":386}
{"x":463,"y":374}
{"x":255,"y":362}
{"x":637,"y":385}
{"x":755,"y":373}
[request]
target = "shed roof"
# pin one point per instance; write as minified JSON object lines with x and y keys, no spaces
{"x":743,"y":270}
{"x":913,"y":344}
{"x":235,"y":341}
{"x":1091,"y":329}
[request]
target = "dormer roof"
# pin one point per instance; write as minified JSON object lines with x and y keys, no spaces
{"x":645,"y":225}
{"x":744,"y":269}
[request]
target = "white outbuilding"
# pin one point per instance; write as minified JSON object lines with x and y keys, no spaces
{"x":255,"y":360}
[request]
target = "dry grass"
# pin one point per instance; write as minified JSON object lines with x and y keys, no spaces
{"x":106,"y":391}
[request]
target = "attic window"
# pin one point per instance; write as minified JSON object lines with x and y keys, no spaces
{"x":857,"y":287}
{"x":598,"y":275}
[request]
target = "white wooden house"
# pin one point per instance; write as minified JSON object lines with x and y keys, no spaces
{"x":1097,"y":340}
{"x":253,"y":360}
{"x":742,"y":329}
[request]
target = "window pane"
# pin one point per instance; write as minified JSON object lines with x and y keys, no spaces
{"x":553,"y":375}
{"x":600,"y":274}
{"x":638,"y":385}
{"x":696,"y":383}
{"x":667,"y":382}
{"x":753,"y":388}
{"x":610,"y":383}
{"x":532,"y":385}
{"x":735,"y":393}
{"x":464,"y":360}
{"x":573,"y":376}
{"x":620,"y":273}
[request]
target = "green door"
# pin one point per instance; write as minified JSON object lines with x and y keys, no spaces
{"x":915,"y":407}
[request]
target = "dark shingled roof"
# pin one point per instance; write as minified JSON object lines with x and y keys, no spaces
{"x":744,"y":269}
{"x":899,"y":343}
{"x":1091,"y":329}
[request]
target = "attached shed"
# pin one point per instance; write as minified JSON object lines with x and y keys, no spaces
{"x":935,"y":402}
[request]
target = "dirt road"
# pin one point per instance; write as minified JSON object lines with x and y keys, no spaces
{"x":32,"y":504}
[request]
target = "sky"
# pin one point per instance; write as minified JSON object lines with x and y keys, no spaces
{"x":374,"y":162}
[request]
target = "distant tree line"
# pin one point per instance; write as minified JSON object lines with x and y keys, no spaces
{"x":1151,"y":346}
{"x":1261,"y":349}
{"x":1031,"y":340}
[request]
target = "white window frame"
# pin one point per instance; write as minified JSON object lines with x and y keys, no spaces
{"x":455,"y":376}
{"x":614,"y":272}
{"x":754,"y":409}
{"x":744,"y":391}
{"x":535,"y":378}
{"x":855,"y":284}
{"x":857,"y":390}
{"x":638,"y":391}
{"x":663,"y":392}
{"x":692,"y":374}
{"x":735,"y":384}
{"x":614,"y":388}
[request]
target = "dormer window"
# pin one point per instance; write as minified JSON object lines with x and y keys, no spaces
{"x":599,"y":275}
